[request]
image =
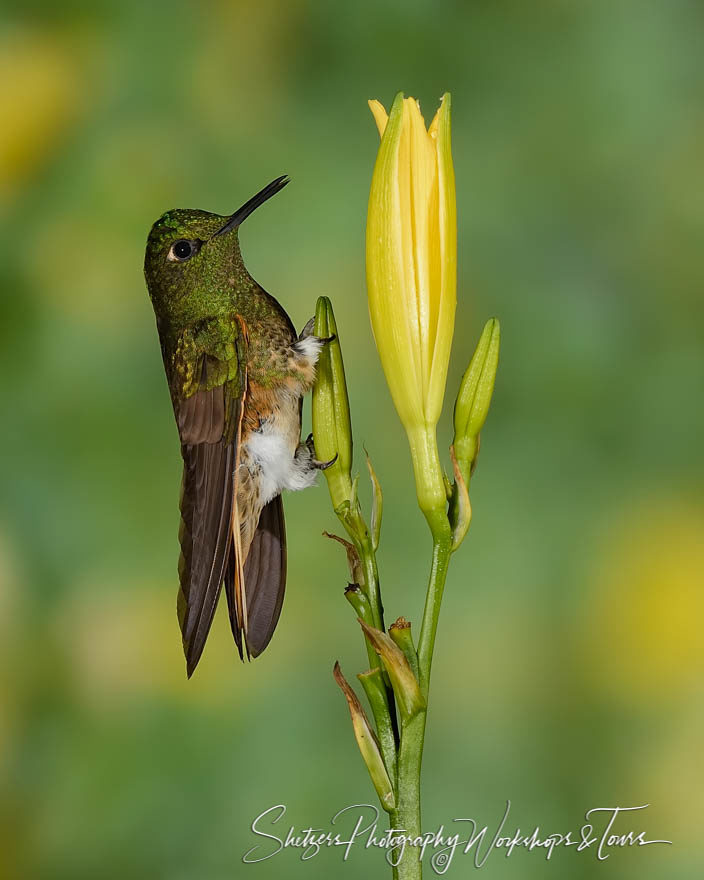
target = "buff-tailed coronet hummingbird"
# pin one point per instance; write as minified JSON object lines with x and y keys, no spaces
{"x":237,"y":371}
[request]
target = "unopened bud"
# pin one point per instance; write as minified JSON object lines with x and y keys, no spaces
{"x":474,"y":397}
{"x":400,"y":632}
{"x":358,"y":600}
{"x":403,"y":680}
{"x":332,"y":429}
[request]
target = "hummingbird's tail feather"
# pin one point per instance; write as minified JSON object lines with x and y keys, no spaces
{"x":255,"y":589}
{"x":230,"y":576}
{"x":265,"y":576}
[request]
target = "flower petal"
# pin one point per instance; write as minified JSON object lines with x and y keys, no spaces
{"x":394,"y":322}
{"x":447,"y":237}
{"x":381,"y":117}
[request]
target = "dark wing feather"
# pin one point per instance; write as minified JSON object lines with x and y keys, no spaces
{"x":205,"y":536}
{"x":201,"y":417}
{"x":265,"y":580}
{"x":206,"y":419}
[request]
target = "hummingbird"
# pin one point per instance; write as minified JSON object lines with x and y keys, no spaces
{"x":237,"y":372}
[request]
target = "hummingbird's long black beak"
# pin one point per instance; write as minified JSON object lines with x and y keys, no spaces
{"x":242,"y":213}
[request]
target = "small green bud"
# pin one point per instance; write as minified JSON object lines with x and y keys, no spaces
{"x":400,"y":632}
{"x":474,"y":397}
{"x":357,"y":599}
{"x":332,"y":429}
{"x":367,"y":743}
{"x":403,"y":681}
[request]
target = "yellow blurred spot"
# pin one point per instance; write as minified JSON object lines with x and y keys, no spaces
{"x":644,"y":621}
{"x":83,"y":284}
{"x":125,"y":645}
{"x":39,"y":89}
{"x":662,"y":767}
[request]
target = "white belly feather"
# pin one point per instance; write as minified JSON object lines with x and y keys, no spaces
{"x":280,"y":467}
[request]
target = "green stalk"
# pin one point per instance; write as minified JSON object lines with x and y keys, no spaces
{"x":359,"y":533}
{"x":375,"y":689}
{"x":371,"y":577}
{"x":410,"y":756}
{"x":361,"y":604}
{"x":442,"y":550}
{"x":407,"y":813}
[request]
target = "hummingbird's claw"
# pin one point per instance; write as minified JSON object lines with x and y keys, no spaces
{"x":308,"y":331}
{"x":318,"y":465}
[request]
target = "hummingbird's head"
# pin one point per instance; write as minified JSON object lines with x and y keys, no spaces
{"x":193,"y":261}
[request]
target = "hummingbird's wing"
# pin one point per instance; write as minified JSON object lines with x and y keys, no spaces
{"x":265,"y":578}
{"x":209,"y":386}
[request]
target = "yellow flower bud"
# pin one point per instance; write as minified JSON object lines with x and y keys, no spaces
{"x":412,"y":274}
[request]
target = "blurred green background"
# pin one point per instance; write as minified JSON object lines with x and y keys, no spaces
{"x":569,"y":663}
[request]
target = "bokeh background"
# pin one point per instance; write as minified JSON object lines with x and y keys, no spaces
{"x":569,"y":664}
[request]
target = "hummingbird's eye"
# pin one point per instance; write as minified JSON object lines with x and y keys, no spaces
{"x":183,"y":249}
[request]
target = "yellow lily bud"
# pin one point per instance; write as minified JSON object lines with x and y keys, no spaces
{"x":412,"y":274}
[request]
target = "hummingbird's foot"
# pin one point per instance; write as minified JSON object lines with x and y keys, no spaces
{"x":313,"y":461}
{"x":307,"y":333}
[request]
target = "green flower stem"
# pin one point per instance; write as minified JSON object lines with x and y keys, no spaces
{"x":360,"y":602}
{"x":410,"y":755}
{"x":371,"y":577}
{"x":375,"y":689}
{"x":407,"y":813}
{"x":357,"y":529}
{"x":442,"y":550}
